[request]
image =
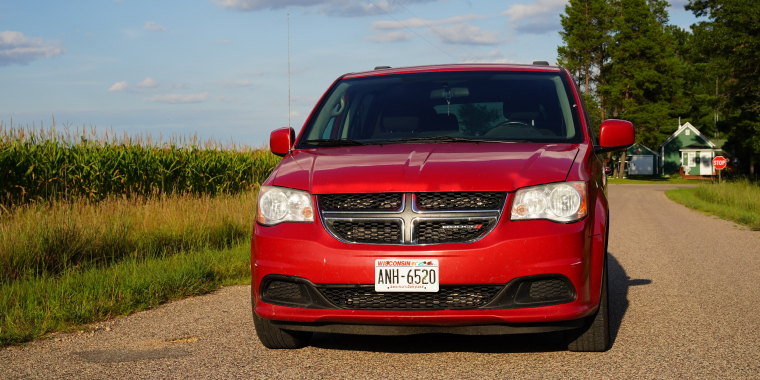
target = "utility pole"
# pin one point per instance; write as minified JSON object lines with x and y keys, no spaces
{"x":288,"y":70}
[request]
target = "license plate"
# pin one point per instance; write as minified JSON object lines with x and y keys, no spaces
{"x":406,"y":275}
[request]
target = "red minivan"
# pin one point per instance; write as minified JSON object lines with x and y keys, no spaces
{"x":463,"y":199}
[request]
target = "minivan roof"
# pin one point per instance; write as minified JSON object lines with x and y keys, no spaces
{"x":455,"y":67}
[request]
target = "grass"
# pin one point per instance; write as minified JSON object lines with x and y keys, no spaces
{"x":33,"y":307}
{"x":737,"y":201}
{"x":94,"y":226}
{"x":47,"y":239}
{"x":650,"y":180}
{"x":67,"y":263}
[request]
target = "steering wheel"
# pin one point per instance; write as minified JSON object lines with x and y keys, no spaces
{"x":515,"y":123}
{"x":525,"y":128}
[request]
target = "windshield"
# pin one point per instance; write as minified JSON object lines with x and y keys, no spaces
{"x":446,"y":106}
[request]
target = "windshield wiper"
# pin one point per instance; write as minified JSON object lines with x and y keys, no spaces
{"x":333,"y":142}
{"x":443,"y":139}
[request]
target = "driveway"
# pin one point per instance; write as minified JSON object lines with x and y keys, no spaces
{"x":684,"y":290}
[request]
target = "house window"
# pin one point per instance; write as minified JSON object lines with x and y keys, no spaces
{"x":692,"y":159}
{"x":685,"y":158}
{"x":688,"y":132}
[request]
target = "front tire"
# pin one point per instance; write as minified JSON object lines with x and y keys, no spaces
{"x":594,"y":336}
{"x":275,"y":338}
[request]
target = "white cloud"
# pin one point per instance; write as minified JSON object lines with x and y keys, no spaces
{"x":540,"y":16}
{"x":347,"y":8}
{"x":467,"y":34}
{"x":418,"y":23}
{"x":119,"y":86}
{"x":19,"y":49}
{"x":519,"y":12}
{"x":179,"y":98}
{"x":390,"y":37}
{"x":494,"y":56}
{"x":151,"y":25}
{"x":148,"y":83}
{"x":177,"y":86}
{"x":461,"y":33}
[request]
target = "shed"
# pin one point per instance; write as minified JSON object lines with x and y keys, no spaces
{"x":643,"y":161}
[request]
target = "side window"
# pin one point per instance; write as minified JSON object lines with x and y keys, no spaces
{"x":685,"y":158}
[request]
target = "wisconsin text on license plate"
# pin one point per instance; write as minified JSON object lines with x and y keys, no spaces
{"x":406,"y":275}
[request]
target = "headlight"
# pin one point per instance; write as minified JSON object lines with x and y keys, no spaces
{"x":561,"y":202}
{"x":279,"y":204}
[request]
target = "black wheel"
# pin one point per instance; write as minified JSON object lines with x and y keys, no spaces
{"x":594,"y":336}
{"x":274,"y":337}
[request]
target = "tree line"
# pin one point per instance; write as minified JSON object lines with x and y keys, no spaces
{"x":631,"y":64}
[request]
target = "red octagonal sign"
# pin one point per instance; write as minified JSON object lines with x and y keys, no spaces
{"x":719,"y":162}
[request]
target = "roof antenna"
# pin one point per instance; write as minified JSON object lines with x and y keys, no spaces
{"x":288,"y":70}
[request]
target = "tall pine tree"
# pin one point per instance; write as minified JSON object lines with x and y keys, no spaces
{"x":586,"y":27}
{"x":645,"y":76}
{"x":732,"y":38}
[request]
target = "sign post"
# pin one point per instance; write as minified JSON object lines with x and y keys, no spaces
{"x":719,"y":163}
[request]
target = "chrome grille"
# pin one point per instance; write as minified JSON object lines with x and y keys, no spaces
{"x":375,"y":231}
{"x":361,"y":202}
{"x":418,"y":218}
{"x":441,"y":231}
{"x":460,"y":201}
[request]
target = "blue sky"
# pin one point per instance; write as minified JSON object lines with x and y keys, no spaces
{"x":219,"y":67}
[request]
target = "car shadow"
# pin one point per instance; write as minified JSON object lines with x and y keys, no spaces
{"x":619,"y":282}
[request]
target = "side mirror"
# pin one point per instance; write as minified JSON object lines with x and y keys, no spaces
{"x":615,"y":135}
{"x":280,"y":141}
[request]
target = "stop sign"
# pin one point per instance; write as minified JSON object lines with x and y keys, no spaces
{"x":719,"y":162}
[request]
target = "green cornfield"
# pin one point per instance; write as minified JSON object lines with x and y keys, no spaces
{"x":48,"y":164}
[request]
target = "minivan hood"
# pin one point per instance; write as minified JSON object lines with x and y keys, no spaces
{"x":425,"y":167}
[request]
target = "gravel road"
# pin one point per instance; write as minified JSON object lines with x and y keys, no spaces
{"x":684,"y":292}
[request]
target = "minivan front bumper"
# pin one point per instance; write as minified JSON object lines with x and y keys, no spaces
{"x":513,"y":250}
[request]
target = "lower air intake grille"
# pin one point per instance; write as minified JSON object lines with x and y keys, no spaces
{"x":548,"y":290}
{"x":283,"y":290}
{"x":368,"y":231}
{"x":436,"y":231}
{"x":448,"y":297}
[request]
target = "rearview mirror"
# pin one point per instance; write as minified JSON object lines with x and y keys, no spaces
{"x":280,"y":141}
{"x":448,"y":93}
{"x":615,"y":135}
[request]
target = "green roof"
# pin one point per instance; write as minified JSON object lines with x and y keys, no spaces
{"x":639,"y":149}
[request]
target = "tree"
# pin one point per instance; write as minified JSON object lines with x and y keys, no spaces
{"x":732,"y":37}
{"x":644,"y":76}
{"x":586,"y":27}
